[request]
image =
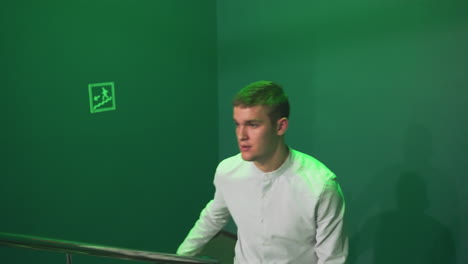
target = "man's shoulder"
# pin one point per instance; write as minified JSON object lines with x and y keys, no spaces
{"x":311,"y":168}
{"x":229,"y":164}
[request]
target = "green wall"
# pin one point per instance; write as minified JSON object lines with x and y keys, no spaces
{"x":379,"y":94}
{"x":135,"y":177}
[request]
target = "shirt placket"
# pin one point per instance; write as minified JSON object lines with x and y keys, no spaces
{"x":266,"y":186}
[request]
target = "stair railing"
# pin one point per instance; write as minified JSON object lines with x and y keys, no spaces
{"x":76,"y":248}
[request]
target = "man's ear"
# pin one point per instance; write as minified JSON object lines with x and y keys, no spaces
{"x":282,"y":126}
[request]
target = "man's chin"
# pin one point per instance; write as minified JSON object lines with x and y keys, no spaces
{"x":247,"y":157}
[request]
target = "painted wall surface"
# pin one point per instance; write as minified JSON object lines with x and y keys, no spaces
{"x":135,"y":177}
{"x":379,"y":94}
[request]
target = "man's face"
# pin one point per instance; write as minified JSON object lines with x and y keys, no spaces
{"x":256,"y":136}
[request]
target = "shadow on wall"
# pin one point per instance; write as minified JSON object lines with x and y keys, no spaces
{"x":407,"y":233}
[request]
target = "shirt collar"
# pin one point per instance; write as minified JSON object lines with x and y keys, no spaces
{"x":278,"y":172}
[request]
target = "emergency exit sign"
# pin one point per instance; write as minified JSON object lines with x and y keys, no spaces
{"x":101,"y":97}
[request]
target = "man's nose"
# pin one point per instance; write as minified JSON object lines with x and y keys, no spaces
{"x":241,"y":133}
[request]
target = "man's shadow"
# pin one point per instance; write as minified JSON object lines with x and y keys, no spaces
{"x":408,"y":234}
{"x":405,"y":234}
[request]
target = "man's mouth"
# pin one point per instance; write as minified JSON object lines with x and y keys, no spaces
{"x":245,"y":148}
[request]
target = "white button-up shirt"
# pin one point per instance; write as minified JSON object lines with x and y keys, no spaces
{"x":291,"y":215}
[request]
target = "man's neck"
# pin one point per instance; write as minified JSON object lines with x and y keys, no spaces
{"x":275,"y":161}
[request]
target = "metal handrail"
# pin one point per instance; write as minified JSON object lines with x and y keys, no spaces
{"x":69,"y":248}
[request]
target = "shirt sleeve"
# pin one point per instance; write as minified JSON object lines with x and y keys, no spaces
{"x":331,"y":241}
{"x":212,"y":219}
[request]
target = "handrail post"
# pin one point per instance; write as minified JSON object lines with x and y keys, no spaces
{"x":69,"y":259}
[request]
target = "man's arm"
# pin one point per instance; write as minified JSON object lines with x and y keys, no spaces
{"x":332,"y":242}
{"x":212,"y":219}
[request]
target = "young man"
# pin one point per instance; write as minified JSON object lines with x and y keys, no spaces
{"x":287,"y":205}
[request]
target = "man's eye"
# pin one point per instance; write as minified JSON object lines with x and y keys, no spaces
{"x":254,"y":125}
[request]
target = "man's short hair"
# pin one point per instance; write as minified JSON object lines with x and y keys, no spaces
{"x":265,"y":93}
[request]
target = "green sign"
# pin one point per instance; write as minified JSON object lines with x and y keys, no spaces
{"x":101,"y":97}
